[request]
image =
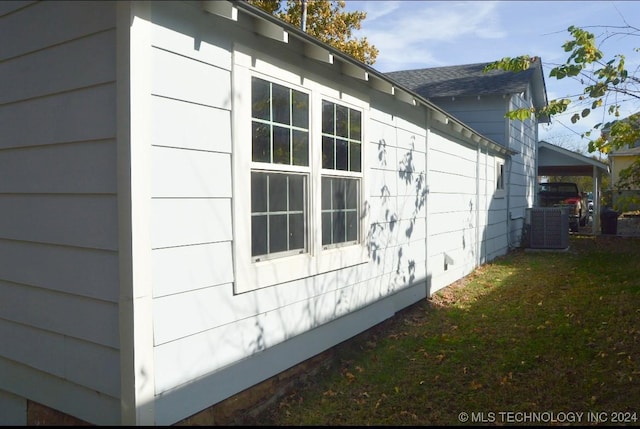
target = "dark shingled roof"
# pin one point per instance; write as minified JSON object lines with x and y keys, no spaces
{"x":462,"y":80}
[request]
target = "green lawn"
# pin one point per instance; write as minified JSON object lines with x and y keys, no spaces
{"x":532,"y":338}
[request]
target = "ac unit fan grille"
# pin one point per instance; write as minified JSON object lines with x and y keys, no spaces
{"x":548,"y":227}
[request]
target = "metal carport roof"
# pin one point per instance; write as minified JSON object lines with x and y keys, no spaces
{"x":556,"y":161}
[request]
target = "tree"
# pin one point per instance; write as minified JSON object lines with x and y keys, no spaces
{"x":328,"y":22}
{"x":607,"y":85}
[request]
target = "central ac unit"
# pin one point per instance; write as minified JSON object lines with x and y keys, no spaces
{"x":548,"y":227}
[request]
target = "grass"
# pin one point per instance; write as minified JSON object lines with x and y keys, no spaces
{"x":532,"y":332}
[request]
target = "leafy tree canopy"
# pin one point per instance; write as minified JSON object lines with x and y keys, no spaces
{"x":328,"y":22}
{"x":607,"y":84}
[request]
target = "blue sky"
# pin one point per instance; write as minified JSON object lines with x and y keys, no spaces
{"x":418,"y":34}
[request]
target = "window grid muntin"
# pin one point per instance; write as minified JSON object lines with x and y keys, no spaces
{"x":333,"y":137}
{"x":268,"y":214}
{"x":350,"y":209}
{"x":271,"y":123}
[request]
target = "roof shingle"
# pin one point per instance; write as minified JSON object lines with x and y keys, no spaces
{"x":462,"y":80}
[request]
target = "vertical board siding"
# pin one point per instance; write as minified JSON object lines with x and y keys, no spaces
{"x":58,"y":229}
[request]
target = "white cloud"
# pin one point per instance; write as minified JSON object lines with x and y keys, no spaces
{"x":376,"y":9}
{"x":410,"y":32}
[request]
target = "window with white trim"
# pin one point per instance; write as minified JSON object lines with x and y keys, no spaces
{"x":499,"y":179}
{"x":279,"y":135}
{"x":341,"y":151}
{"x":298,"y":161}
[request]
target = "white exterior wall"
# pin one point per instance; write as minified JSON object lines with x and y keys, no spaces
{"x":158,"y":238}
{"x":485,"y":114}
{"x":204,"y":334}
{"x":467,"y":219}
{"x":58,"y":228}
{"x":522,"y":169}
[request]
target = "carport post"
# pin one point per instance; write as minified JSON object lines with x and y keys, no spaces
{"x":597,"y":177}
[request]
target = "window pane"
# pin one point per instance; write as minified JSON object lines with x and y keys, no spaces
{"x":339,"y":196}
{"x":351,"y":191}
{"x":277,"y":192}
{"x":296,"y":193}
{"x":281,"y":145}
{"x":340,"y":210}
{"x":261,"y":142}
{"x":258,"y":193}
{"x":354,"y":156}
{"x":300,"y":102}
{"x":277,"y":233}
{"x":342,"y":121}
{"x":326,"y":228}
{"x":260,"y":99}
{"x":327,"y":153}
{"x":326,"y":193}
{"x":296,"y":231}
{"x":300,"y":148}
{"x":342,"y":159}
{"x":338,"y":227}
{"x":281,"y":104}
{"x":352,"y":226}
{"x":355,"y":127}
{"x":327,"y":117}
{"x":258,"y":235}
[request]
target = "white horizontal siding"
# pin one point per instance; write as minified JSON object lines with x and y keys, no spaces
{"x":13,"y":409}
{"x":180,"y":124}
{"x":55,"y":69}
{"x":189,"y":173}
{"x":200,"y":266}
{"x":46,"y":24}
{"x":61,"y":118}
{"x":61,"y":268}
{"x":58,"y":230}
{"x":82,"y":402}
{"x":187,"y":32}
{"x":181,"y":78}
{"x":180,"y":222}
{"x":64,"y":357}
{"x":60,"y":313}
{"x":56,"y":168}
{"x":73,"y":220}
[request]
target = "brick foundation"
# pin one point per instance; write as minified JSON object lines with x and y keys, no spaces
{"x":41,"y":415}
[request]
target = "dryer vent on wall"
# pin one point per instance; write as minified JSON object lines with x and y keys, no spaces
{"x":548,"y":227}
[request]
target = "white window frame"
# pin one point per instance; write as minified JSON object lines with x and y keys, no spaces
{"x":500,"y":179}
{"x":250,"y":274}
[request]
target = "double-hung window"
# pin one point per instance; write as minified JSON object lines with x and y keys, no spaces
{"x":297,"y":174}
{"x":341,"y":168}
{"x":280,"y":170}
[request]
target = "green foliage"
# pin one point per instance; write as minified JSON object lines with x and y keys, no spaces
{"x":328,"y":22}
{"x":605,"y":83}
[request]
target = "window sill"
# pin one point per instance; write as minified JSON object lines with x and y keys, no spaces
{"x":257,"y":275}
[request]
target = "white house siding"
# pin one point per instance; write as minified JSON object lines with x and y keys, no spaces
{"x":466,"y":222}
{"x":202,"y":331}
{"x":58,"y":227}
{"x":484,"y":114}
{"x":523,"y":168}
